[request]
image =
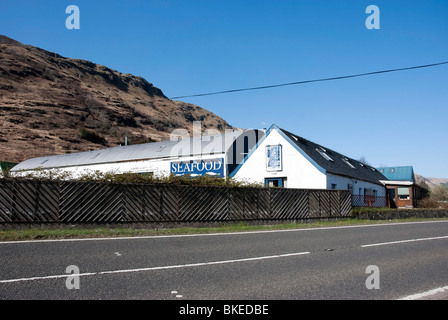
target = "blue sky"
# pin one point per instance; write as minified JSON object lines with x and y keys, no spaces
{"x":186,"y":47}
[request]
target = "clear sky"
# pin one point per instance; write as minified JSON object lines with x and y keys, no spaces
{"x":187,"y":47}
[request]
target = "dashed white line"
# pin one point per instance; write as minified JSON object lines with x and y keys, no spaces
{"x":159,"y":268}
{"x":402,"y":241}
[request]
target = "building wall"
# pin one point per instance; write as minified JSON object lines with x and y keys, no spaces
{"x":158,"y":167}
{"x":358,"y":186}
{"x":298,"y":171}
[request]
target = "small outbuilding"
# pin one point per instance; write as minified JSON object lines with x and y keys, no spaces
{"x":402,"y":189}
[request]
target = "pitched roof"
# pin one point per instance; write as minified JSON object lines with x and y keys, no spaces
{"x":333,"y":162}
{"x":404,"y":173}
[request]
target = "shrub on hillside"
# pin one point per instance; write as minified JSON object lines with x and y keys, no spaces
{"x":91,"y":136}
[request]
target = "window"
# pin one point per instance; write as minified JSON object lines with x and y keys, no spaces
{"x":275,"y":182}
{"x":348,"y":163}
{"x":369,"y":192}
{"x":403,"y":193}
{"x":369,"y":196}
{"x":323,"y":153}
{"x":334,"y":186}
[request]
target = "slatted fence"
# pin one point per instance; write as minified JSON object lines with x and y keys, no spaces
{"x":33,"y":201}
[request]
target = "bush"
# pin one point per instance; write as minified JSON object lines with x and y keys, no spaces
{"x":91,"y":136}
{"x":133,"y":178}
{"x":428,"y":203}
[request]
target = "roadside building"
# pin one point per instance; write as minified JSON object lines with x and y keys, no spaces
{"x":215,"y":155}
{"x":283,"y":159}
{"x":402,"y":189}
{"x":274,"y":158}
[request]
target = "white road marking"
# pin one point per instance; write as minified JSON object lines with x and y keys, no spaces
{"x":402,"y":241}
{"x":48,"y":277}
{"x":159,"y":268}
{"x":425,"y":294}
{"x":221,"y":233}
{"x":204,"y":263}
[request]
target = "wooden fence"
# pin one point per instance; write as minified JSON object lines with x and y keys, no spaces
{"x":31,"y":201}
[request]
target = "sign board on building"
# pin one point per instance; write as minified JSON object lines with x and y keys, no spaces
{"x":274,"y":158}
{"x":213,"y":167}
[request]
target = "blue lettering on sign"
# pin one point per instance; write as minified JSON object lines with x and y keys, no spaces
{"x":213,"y":167}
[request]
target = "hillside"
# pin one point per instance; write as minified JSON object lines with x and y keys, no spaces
{"x":430,"y":182}
{"x":50,"y":105}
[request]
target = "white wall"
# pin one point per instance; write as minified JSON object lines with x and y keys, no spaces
{"x":358,"y":185}
{"x":300,"y":173}
{"x":159,"y":167}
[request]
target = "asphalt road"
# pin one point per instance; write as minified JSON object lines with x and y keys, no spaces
{"x":307,"y":264}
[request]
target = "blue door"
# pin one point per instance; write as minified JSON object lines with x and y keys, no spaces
{"x":273,"y":182}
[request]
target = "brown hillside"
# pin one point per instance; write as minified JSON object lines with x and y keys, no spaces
{"x":50,"y":104}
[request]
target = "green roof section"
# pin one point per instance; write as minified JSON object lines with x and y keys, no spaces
{"x":405,"y":173}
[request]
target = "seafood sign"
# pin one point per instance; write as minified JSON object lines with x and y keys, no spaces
{"x":213,"y":167}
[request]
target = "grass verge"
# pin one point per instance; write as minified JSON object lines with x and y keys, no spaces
{"x":73,"y":233}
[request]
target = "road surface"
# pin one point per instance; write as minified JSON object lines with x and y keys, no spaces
{"x":369,"y":262}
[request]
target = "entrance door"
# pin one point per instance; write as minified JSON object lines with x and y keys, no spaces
{"x":273,"y":182}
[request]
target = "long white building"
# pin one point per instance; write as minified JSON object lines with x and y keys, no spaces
{"x":275,"y":158}
{"x":216,"y":155}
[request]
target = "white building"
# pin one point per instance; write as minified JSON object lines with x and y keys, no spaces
{"x":216,"y":155}
{"x":275,"y":158}
{"x":285,"y":160}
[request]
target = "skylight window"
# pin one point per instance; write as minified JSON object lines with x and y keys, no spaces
{"x":323,"y":153}
{"x":348,"y":163}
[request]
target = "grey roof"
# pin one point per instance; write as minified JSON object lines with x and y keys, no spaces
{"x":201,"y":145}
{"x":334,"y":162}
